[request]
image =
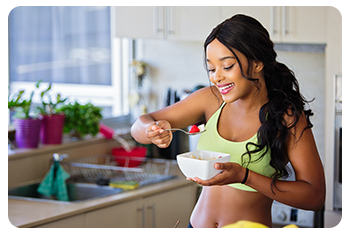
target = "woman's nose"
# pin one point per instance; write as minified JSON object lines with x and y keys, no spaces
{"x":218,"y":77}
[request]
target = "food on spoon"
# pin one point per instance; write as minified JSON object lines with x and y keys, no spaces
{"x":194,"y":129}
{"x":201,"y":127}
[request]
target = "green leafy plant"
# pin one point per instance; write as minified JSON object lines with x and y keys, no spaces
{"x":21,"y":106}
{"x":80,"y":119}
{"x":48,"y":106}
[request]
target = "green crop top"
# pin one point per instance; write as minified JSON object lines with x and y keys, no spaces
{"x":212,"y":141}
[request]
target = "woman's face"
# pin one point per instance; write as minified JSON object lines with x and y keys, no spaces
{"x":225,"y":73}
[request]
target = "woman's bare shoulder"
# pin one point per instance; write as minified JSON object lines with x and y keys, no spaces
{"x":209,"y":98}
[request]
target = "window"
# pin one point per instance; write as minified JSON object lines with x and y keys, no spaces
{"x":73,"y":48}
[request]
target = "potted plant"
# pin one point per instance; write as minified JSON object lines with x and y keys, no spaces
{"x":52,"y":119}
{"x":27,"y":126}
{"x":81,"y":120}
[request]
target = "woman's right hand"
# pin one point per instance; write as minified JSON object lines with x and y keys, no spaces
{"x":157,"y":135}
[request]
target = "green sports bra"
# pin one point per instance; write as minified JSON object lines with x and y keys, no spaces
{"x":212,"y":141}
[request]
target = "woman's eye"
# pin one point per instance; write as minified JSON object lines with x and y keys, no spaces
{"x":229,"y":67}
{"x":211,"y":70}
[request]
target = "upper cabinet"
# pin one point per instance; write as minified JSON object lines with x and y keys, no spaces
{"x":261,"y":13}
{"x":287,"y":24}
{"x":166,"y":22}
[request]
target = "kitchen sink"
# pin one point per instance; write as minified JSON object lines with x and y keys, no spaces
{"x":77,"y":192}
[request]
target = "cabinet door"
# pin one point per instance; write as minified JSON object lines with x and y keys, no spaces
{"x":139,"y":21}
{"x":165,"y":209}
{"x":124,"y":215}
{"x":266,"y":15}
{"x":303,"y":24}
{"x":287,"y":24}
{"x":191,"y":23}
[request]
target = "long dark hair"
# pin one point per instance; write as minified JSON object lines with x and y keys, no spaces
{"x":249,"y":37}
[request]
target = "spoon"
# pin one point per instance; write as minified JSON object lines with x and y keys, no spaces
{"x":176,"y":129}
{"x":177,"y":223}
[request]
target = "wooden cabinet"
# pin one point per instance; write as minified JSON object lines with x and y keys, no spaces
{"x":165,"y":209}
{"x":77,"y":221}
{"x":165,"y":22}
{"x":124,"y":215}
{"x":287,"y":24}
{"x":160,"y":210}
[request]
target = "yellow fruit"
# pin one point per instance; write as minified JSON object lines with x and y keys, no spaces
{"x":245,"y":224}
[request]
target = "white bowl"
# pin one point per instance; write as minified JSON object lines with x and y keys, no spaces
{"x":204,"y":168}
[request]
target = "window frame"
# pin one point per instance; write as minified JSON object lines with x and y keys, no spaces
{"x":114,"y":95}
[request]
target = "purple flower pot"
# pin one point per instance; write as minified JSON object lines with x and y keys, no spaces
{"x":51,"y":129}
{"x":27,"y":132}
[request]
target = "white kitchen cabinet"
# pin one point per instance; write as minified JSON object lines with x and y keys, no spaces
{"x":161,"y":210}
{"x":191,"y":23}
{"x":302,"y":24}
{"x":287,"y":24}
{"x":139,"y":21}
{"x":261,"y":13}
{"x":166,"y":22}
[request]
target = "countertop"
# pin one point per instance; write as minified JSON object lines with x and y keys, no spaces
{"x":24,"y":213}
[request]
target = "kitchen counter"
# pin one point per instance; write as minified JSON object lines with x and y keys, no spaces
{"x":24,"y":213}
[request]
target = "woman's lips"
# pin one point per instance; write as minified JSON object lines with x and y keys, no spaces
{"x":226,"y":88}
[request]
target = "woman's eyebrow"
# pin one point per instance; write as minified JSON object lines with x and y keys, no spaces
{"x":228,"y":57}
{"x":224,"y":58}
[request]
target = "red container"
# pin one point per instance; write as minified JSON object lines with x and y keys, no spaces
{"x":51,"y":131}
{"x":129,"y":159}
{"x":106,"y":131}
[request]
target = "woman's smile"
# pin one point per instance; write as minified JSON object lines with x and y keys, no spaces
{"x":225,"y":88}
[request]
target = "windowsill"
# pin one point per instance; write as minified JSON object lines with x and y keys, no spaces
{"x":67,"y":143}
{"x":120,"y":124}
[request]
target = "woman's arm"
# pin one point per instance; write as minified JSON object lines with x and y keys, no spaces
{"x":306,"y":192}
{"x":148,"y":128}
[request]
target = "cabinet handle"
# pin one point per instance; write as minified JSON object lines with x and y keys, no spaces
{"x":273,"y":20}
{"x":142,"y":209}
{"x":152,"y":207}
{"x":284,"y":21}
{"x":157,"y":28}
{"x":169,"y":20}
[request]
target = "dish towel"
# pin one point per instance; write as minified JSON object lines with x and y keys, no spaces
{"x":54,"y":182}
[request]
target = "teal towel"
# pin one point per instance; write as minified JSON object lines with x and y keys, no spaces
{"x":54,"y":182}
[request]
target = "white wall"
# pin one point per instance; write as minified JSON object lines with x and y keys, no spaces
{"x":309,"y":69}
{"x":176,"y":65}
{"x":333,"y":66}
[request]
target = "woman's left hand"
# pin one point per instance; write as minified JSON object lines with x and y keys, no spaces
{"x":231,"y":173}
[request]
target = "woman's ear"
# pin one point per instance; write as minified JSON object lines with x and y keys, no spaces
{"x":258,"y":66}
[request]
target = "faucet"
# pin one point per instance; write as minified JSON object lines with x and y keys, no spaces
{"x":58,"y":157}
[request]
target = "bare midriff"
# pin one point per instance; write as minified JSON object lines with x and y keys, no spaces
{"x":219,"y":206}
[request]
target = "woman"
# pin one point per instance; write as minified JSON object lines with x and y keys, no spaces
{"x":255,"y":112}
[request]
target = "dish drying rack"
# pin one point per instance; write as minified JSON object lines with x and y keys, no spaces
{"x":104,"y":167}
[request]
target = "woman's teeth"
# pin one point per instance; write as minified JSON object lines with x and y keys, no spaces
{"x":226,"y":87}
